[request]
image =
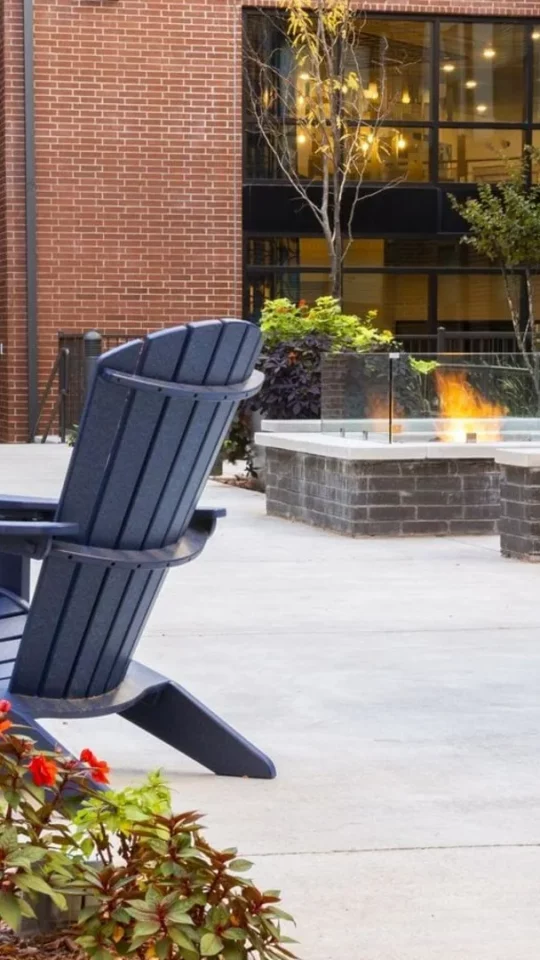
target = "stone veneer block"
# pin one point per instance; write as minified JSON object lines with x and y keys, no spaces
{"x":368,"y":490}
{"x":520,"y":503}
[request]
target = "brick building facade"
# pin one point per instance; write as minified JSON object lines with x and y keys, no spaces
{"x":138,"y":172}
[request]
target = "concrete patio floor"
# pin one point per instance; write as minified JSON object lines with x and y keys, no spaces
{"x":396,"y":686}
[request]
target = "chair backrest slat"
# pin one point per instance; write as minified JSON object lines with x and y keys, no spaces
{"x":138,"y":468}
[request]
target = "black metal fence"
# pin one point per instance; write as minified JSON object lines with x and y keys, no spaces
{"x":458,"y":341}
{"x":76,"y":350}
{"x":82,"y":348}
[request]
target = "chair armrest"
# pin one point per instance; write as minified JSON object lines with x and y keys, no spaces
{"x":11,"y":507}
{"x":206,"y":518}
{"x":32,"y":529}
{"x":32,"y":538}
{"x":188,"y":547}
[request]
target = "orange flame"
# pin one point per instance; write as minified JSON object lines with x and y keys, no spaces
{"x":464,"y":408}
{"x":377,"y":407}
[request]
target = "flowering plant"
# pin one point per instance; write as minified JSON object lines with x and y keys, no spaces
{"x":153,"y":885}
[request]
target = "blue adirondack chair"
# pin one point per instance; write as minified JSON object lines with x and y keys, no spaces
{"x":156,"y":414}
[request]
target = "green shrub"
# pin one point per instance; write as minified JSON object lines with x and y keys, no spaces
{"x":283,"y":321}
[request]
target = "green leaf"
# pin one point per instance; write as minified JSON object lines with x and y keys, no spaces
{"x":87,"y":847}
{"x":178,"y":914}
{"x":86,"y":913}
{"x":276,"y":912}
{"x":87,"y":942}
{"x":146,"y":928}
{"x":239,"y":866}
{"x":58,"y":899}
{"x":180,"y":939}
{"x":137,"y":942}
{"x":10,"y":910}
{"x":162,"y":948}
{"x":36,"y":884}
{"x":102,"y":954}
{"x":121,"y":915}
{"x":12,"y":798}
{"x":153,"y":897}
{"x":235,"y":933}
{"x":140,"y":910}
{"x":211,"y":945}
{"x":26,"y":909}
{"x":26,"y":856}
{"x":233,"y":952}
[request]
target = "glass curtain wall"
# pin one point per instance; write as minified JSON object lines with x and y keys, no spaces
{"x":445,"y":102}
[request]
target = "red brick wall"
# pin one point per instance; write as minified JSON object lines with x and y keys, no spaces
{"x":138,"y":144}
{"x":138,"y":148}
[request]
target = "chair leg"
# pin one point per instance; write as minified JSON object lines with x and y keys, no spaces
{"x":177,"y":718}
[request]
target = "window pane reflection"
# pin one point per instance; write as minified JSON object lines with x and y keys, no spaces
{"x":482,"y":72}
{"x":393,"y":60}
{"x":397,"y":298}
{"x":535,"y":35}
{"x":472,"y":297}
{"x":477,"y":155}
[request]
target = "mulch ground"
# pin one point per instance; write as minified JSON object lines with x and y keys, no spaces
{"x":246,"y":483}
{"x":44,"y":946}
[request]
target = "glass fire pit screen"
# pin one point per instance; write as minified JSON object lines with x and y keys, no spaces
{"x":396,"y":398}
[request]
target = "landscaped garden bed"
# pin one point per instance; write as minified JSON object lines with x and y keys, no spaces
{"x":124,"y":875}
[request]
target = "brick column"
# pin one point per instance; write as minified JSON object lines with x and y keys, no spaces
{"x":520,"y":503}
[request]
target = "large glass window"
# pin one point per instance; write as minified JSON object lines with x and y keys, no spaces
{"x":478,"y":114}
{"x":482,"y":72}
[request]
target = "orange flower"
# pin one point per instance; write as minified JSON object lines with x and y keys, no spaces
{"x":43,"y":771}
{"x":5,"y":706}
{"x":98,"y":768}
{"x":5,"y":725}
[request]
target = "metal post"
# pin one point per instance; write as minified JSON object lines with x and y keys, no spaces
{"x":441,"y":341}
{"x":63,"y":383}
{"x":92,"y":340}
{"x":391,"y":358}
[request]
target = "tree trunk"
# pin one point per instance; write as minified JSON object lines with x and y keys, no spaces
{"x":336,"y":268}
{"x":533,"y":341}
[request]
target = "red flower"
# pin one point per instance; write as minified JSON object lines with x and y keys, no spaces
{"x":5,"y":706}
{"x":43,"y":771}
{"x":98,"y":768}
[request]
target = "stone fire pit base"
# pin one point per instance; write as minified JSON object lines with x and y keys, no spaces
{"x":364,"y":489}
{"x":520,"y":503}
